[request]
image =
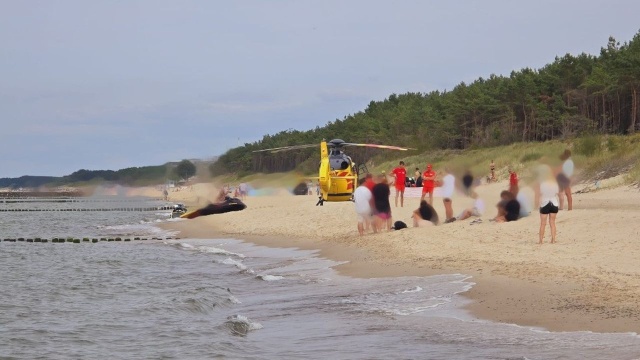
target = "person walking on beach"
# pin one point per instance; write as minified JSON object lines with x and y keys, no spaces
{"x":564,"y":180}
{"x":400,"y":175}
{"x":428,"y":183}
{"x":547,"y":198}
{"x":418,"y":176}
{"x":362,"y":199}
{"x":448,"y":187}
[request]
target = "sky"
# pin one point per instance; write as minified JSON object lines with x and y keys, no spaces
{"x":106,"y":85}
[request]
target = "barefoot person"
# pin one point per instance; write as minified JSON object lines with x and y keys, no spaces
{"x":382,"y":207}
{"x":428,"y":183}
{"x":400,"y":175}
{"x":564,"y":180}
{"x":362,"y":200}
{"x":448,"y":186}
{"x":547,"y":198}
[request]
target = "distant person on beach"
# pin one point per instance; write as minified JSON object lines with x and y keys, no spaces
{"x":513,"y":182}
{"x":467,"y":183}
{"x":564,"y":180}
{"x":418,"y":176}
{"x":368,"y":181}
{"x":400,"y":175}
{"x":425,"y":215}
{"x":244,"y":190}
{"x":382,"y":206}
{"x":448,"y":187}
{"x":428,"y":183}
{"x":492,"y":169}
{"x":547,"y":198}
{"x":165,"y":193}
{"x":362,"y":199}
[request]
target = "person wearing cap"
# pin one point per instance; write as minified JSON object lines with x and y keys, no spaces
{"x":400,"y":175}
{"x":428,"y":183}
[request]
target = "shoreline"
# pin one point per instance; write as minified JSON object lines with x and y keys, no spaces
{"x":555,"y":287}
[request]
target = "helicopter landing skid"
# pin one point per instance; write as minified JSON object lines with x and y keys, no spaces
{"x":320,"y":201}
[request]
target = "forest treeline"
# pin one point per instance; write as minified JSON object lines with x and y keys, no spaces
{"x":138,"y":176}
{"x":573,"y":95}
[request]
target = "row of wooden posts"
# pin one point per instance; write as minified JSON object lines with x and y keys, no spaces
{"x":78,"y":240}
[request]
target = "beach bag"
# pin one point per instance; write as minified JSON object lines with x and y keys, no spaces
{"x":398,"y":225}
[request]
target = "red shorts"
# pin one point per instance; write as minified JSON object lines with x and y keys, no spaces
{"x":400,"y":187}
{"x":426,"y":190}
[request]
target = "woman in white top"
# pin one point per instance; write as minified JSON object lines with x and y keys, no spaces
{"x":564,"y":180}
{"x":547,"y":199}
{"x":448,"y":186}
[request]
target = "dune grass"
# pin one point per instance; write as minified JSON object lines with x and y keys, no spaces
{"x":595,"y":157}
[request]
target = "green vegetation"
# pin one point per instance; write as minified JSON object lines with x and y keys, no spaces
{"x":133,"y":176}
{"x":572,"y":96}
{"x":601,"y":162}
{"x":185,"y":169}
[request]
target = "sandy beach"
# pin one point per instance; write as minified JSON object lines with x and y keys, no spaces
{"x":589,"y":280}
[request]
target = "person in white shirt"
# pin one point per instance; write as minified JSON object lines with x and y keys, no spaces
{"x":564,"y":180}
{"x":477,"y":209}
{"x":362,"y":198}
{"x":448,"y":186}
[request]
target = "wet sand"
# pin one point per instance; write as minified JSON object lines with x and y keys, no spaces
{"x":589,"y":280}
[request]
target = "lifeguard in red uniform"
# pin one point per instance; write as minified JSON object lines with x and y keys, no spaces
{"x":428,"y":183}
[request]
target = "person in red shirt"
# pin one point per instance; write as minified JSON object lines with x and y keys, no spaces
{"x":428,"y":183}
{"x":513,"y":182}
{"x":400,"y":174}
{"x":368,"y":181}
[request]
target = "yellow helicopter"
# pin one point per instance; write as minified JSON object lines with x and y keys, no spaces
{"x":337,"y":174}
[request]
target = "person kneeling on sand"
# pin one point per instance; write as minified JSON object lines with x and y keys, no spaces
{"x":425,"y":215}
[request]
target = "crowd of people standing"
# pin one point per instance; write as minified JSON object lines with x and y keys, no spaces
{"x":550,"y":188}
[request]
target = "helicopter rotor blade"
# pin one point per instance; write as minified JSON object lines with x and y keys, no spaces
{"x":388,"y":147}
{"x":287,"y":148}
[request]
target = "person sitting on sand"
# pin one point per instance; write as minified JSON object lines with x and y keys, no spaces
{"x":477,"y":209}
{"x":425,"y":215}
{"x":508,"y":208}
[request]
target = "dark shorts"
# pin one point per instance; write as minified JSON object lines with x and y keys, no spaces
{"x":549,"y":209}
{"x":512,"y":216}
{"x":563,"y":181}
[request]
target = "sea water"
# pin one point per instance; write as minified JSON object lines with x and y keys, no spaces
{"x":225,"y":298}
